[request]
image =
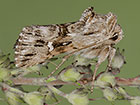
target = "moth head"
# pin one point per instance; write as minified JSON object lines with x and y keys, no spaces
{"x":114,"y":30}
{"x":98,"y":24}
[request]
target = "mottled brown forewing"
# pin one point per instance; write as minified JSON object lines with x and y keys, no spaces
{"x":89,"y":36}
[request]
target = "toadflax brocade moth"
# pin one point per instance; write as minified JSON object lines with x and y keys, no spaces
{"x":93,"y":35}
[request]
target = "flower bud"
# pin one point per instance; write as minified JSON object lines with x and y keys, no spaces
{"x":4,"y":61}
{"x":105,"y":80}
{"x":78,"y":97}
{"x":135,"y":100}
{"x":3,"y":58}
{"x":13,"y":95}
{"x":4,"y":74}
{"x":86,"y":71}
{"x":83,"y":61}
{"x":34,"y":98}
{"x":110,"y":94}
{"x":122,"y":91}
{"x":49,"y":96}
{"x":13,"y":98}
{"x":69,"y":75}
{"x":118,"y":59}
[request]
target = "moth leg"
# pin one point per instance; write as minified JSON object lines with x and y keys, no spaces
{"x":52,"y":63}
{"x":102,"y":57}
{"x":58,"y":66}
{"x":110,"y":57}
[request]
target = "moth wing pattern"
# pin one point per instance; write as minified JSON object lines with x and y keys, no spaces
{"x":38,"y":43}
{"x":33,"y":45}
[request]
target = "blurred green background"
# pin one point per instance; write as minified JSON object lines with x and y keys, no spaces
{"x":15,"y":14}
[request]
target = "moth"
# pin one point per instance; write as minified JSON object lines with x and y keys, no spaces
{"x":93,"y":35}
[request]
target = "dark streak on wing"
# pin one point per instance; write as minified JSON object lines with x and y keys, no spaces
{"x":23,"y":44}
{"x":31,"y":54}
{"x":40,"y":41}
{"x":29,"y":33}
{"x":24,"y":60}
{"x":37,"y":45}
{"x":114,"y":38}
{"x":59,"y":44}
{"x":89,"y":33}
{"x":63,"y":31}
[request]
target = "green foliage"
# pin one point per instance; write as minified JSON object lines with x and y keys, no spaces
{"x":70,"y":74}
{"x":79,"y":72}
{"x":106,"y":80}
{"x":13,"y":98}
{"x":135,"y":100}
{"x":33,"y":98}
{"x":118,"y":59}
{"x":78,"y":97}
{"x":49,"y":96}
